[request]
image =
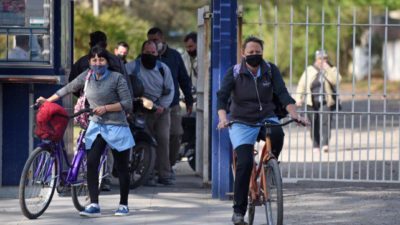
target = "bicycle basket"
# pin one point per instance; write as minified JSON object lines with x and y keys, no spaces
{"x":51,"y":121}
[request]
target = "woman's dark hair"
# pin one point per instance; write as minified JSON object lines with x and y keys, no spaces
{"x":253,"y":39}
{"x":99,"y":51}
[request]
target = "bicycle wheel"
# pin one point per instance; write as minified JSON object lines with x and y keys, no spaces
{"x":251,"y":212}
{"x":38,"y":182}
{"x":79,"y":190}
{"x":142,"y":160}
{"x":274,"y":201}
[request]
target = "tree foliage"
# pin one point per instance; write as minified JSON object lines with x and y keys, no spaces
{"x":175,"y":18}
{"x":115,"y":23}
{"x":271,"y":20}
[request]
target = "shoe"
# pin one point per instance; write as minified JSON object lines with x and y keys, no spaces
{"x":316,"y":150}
{"x":173,"y":175}
{"x":64,"y":191}
{"x":122,"y":210}
{"x":105,"y":184}
{"x":166,"y":181}
{"x":150,"y":183}
{"x":238,"y":219}
{"x":92,"y":210}
{"x":325,"y":148}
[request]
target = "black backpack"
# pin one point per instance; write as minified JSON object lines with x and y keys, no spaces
{"x":280,"y":110}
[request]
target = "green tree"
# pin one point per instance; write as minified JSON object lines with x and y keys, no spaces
{"x":256,"y":11}
{"x":115,"y":23}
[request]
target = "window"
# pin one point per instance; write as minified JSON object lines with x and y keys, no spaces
{"x":25,"y":32}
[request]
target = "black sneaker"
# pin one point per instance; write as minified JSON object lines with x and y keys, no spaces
{"x":166,"y":181}
{"x":238,"y":219}
{"x":150,"y":183}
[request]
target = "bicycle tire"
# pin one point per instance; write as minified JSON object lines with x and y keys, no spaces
{"x":80,"y":191}
{"x":274,"y":204}
{"x":143,"y":156}
{"x":251,"y":213}
{"x":44,"y":165}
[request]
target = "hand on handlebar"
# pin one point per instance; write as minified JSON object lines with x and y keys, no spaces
{"x":302,"y":121}
{"x":41,"y":100}
{"x":223,"y":123}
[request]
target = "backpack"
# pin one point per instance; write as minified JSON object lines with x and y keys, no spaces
{"x":83,"y":119}
{"x":280,"y":110}
{"x":134,"y":76}
{"x":51,"y":121}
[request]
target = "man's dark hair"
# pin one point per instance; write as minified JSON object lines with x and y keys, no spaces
{"x":22,"y":40}
{"x":191,"y":35}
{"x":253,"y":39}
{"x":155,"y":30}
{"x":123,"y":44}
{"x":147,"y":42}
{"x":98,"y":38}
{"x":99,"y":51}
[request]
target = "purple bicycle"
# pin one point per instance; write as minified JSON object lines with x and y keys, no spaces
{"x":43,"y":173}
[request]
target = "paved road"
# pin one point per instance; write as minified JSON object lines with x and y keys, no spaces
{"x":189,"y":203}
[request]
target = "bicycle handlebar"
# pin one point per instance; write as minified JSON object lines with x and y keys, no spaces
{"x":266,"y":124}
{"x":85,"y":110}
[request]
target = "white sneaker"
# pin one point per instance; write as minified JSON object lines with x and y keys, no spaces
{"x":122,"y":210}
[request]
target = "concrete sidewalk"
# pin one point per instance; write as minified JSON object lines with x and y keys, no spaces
{"x":189,"y":203}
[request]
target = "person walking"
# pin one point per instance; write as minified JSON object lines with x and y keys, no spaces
{"x":174,"y":61}
{"x":108,"y":95}
{"x":159,"y":88}
{"x":318,"y":84}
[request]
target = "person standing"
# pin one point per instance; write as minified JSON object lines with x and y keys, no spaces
{"x":318,"y":81}
{"x":174,"y":61}
{"x":122,"y":51}
{"x":159,"y":88}
{"x":189,"y":56}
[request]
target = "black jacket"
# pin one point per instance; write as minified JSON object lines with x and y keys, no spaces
{"x":251,"y":98}
{"x":82,"y":64}
{"x":174,"y":61}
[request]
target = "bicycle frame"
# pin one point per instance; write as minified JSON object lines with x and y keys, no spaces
{"x":254,"y":190}
{"x":59,"y":154}
{"x":258,"y":170}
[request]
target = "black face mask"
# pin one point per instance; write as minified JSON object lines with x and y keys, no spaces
{"x":148,"y":61}
{"x":254,"y":60}
{"x":192,"y":53}
{"x":122,"y":57}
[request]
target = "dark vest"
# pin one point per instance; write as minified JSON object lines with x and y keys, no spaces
{"x":252,"y":97}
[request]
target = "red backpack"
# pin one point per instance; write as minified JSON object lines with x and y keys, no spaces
{"x":51,"y":121}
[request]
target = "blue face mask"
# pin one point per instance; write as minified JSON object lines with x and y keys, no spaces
{"x":99,"y":69}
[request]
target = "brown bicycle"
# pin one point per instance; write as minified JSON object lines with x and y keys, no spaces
{"x":266,"y":181}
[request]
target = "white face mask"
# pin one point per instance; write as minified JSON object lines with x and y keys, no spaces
{"x":160,"y":46}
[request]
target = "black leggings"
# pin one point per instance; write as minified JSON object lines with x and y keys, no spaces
{"x":244,"y":165}
{"x":121,"y":162}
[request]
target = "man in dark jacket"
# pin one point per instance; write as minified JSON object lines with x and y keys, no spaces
{"x":174,"y":61}
{"x":82,"y":64}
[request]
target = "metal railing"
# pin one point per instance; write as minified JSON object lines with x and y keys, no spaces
{"x":365,"y":135}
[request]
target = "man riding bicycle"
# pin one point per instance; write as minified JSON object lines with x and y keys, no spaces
{"x":251,"y":86}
